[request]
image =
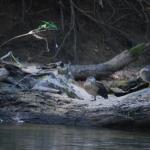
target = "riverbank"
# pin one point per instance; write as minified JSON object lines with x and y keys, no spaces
{"x":47,"y":94}
{"x":46,"y":108}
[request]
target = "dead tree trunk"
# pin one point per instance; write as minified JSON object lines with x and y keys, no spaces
{"x":111,"y":66}
{"x":44,"y":107}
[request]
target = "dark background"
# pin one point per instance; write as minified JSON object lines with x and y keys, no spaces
{"x":99,"y":33}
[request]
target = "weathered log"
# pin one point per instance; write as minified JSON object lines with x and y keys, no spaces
{"x":43,"y":107}
{"x":111,"y":66}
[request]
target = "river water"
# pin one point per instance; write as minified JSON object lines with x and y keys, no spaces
{"x":50,"y":137}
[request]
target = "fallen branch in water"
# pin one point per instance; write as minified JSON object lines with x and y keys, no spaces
{"x":52,"y":98}
{"x":44,"y":107}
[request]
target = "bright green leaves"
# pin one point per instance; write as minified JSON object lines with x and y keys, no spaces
{"x":47,"y":25}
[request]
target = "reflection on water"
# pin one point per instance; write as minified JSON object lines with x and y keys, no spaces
{"x":50,"y":137}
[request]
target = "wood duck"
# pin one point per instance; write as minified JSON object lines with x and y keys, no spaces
{"x":95,"y":88}
{"x":145,"y":73}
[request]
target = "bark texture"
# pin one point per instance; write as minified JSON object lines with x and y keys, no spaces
{"x":105,"y":69}
{"x":43,"y":107}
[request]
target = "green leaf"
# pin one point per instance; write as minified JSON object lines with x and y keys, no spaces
{"x":47,"y":25}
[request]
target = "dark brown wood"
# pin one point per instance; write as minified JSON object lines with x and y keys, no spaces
{"x":105,"y":69}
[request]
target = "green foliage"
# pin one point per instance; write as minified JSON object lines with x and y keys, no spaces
{"x":137,"y":50}
{"x":47,"y":25}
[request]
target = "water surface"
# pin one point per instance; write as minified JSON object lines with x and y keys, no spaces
{"x":50,"y":137}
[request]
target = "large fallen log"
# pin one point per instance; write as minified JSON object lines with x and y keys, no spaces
{"x":35,"y":95}
{"x":44,"y":107}
{"x":105,"y":69}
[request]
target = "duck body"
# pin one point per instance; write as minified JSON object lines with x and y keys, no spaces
{"x":95,"y":88}
{"x":145,"y":73}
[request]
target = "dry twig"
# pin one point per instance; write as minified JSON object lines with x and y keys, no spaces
{"x":34,"y":33}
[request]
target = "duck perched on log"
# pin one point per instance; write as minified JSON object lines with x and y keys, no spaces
{"x":95,"y":88}
{"x":145,"y":73}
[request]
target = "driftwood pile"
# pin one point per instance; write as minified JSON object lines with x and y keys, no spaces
{"x":49,"y":94}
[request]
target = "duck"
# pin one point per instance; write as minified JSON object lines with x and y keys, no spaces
{"x":145,"y":74}
{"x":95,"y":88}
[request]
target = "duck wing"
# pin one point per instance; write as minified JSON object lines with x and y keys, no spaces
{"x":102,"y":90}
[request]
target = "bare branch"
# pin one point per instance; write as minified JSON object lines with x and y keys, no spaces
{"x":34,"y":33}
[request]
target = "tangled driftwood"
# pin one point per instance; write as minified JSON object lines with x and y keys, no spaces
{"x":48,"y":94}
{"x":35,"y":95}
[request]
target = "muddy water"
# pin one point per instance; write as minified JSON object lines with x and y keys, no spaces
{"x":50,"y":137}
